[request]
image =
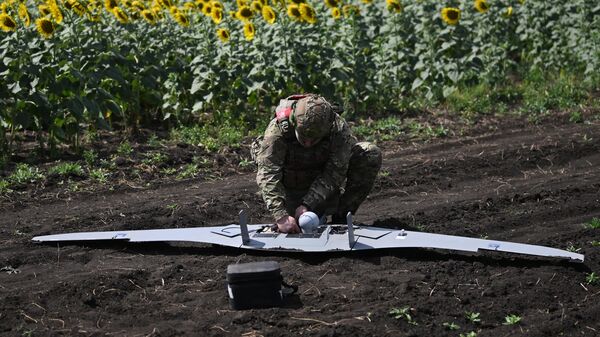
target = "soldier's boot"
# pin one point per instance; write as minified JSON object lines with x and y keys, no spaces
{"x":364,"y":166}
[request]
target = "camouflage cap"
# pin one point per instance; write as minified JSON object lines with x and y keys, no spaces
{"x":312,"y":117}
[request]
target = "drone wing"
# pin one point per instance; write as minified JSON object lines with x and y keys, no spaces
{"x":374,"y":238}
{"x":225,"y":235}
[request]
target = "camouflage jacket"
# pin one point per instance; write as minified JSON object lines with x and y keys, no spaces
{"x":283,"y":164}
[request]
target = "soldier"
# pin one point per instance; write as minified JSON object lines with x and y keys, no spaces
{"x":308,"y":160}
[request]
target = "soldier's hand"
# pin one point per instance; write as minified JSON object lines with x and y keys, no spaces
{"x":287,"y":224}
{"x":301,"y":209}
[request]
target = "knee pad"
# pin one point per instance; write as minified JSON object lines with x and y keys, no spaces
{"x":370,"y":152}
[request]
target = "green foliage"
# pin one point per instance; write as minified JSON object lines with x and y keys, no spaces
{"x":543,"y":93}
{"x":106,"y":75}
{"x":469,"y":334}
{"x":595,"y":243}
{"x":473,"y":317}
{"x":593,"y":224}
{"x":211,"y":137}
{"x":418,"y":130}
{"x":391,"y":128}
{"x":67,"y":169}
{"x":388,"y":128}
{"x":451,"y":326}
{"x":576,"y":117}
{"x":592,"y":278}
{"x":5,"y":187}
{"x":403,"y":313}
{"x":3,"y":160}
{"x":484,"y":98}
{"x":153,"y":141}
{"x":99,"y":175}
{"x":188,"y":171}
{"x":154,"y":158}
{"x":511,"y":319}
{"x":24,"y":174}
{"x":90,"y":157}
{"x":168,"y":171}
{"x":383,"y":173}
{"x":244,"y":163}
{"x":124,"y":149}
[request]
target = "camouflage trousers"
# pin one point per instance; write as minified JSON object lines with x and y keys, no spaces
{"x":364,"y":165}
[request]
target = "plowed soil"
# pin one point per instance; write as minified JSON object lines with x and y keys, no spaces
{"x":522,"y":183}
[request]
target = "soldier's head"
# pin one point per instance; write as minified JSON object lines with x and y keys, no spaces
{"x":312,"y":117}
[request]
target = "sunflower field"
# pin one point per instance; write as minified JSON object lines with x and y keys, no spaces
{"x":71,"y":66}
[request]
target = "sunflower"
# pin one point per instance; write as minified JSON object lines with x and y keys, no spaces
{"x":249,"y":31}
{"x":190,"y":6}
{"x":55,"y":11}
{"x":182,"y":19}
{"x":331,"y":3}
{"x":158,"y":13}
{"x":148,"y":16}
{"x":269,"y":14}
{"x":92,"y":7}
{"x":138,"y":5}
{"x":244,"y":13}
{"x":241,"y":3}
{"x":24,"y":15}
{"x":110,"y":4}
{"x":256,"y":6}
{"x":279,"y":3}
{"x":336,"y":13}
{"x":223,"y":34}
{"x":508,"y":13}
{"x":173,"y":10}
{"x":207,"y":9}
{"x":7,"y":23}
{"x":297,"y":2}
{"x":308,"y":13}
{"x":43,"y":10}
{"x":217,"y":4}
{"x":77,"y":7}
{"x":120,"y":15}
{"x":217,"y":15}
{"x":45,"y":27}
{"x":165,"y":3}
{"x":3,"y":7}
{"x":349,"y":10}
{"x":451,"y":15}
{"x":293,"y":11}
{"x":394,"y":6}
{"x":481,"y":6}
{"x":367,"y":1}
{"x":93,"y":17}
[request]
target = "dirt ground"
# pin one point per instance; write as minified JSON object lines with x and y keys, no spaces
{"x":524,"y":183}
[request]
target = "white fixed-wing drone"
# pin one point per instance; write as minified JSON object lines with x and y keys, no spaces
{"x":316,"y":237}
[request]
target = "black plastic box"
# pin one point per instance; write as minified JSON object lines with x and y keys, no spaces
{"x":254,"y":285}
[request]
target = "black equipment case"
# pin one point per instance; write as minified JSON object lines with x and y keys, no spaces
{"x":254,"y":285}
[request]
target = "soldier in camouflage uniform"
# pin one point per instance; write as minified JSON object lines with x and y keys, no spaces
{"x":308,"y":160}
